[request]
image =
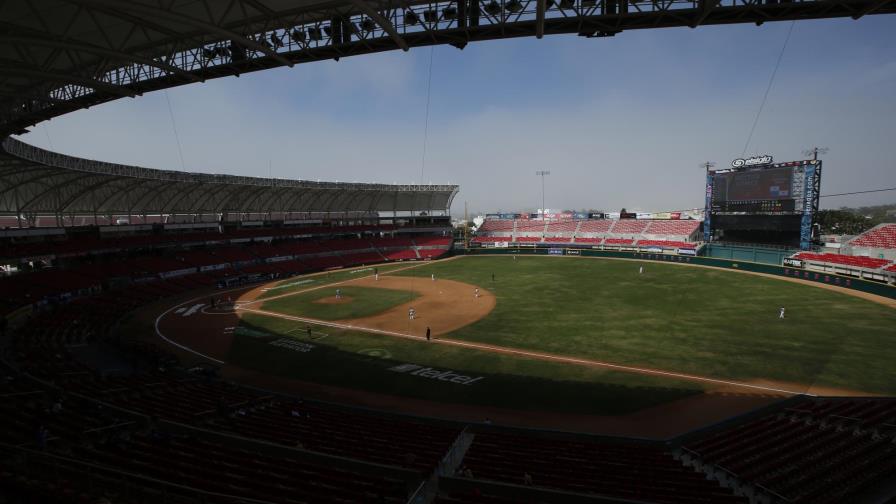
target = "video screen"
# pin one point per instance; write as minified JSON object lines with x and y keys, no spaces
{"x":754,"y":185}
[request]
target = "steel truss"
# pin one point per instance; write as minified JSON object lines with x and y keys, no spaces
{"x":50,"y":71}
{"x":36,"y":182}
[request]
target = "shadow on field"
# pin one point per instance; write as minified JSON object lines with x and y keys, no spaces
{"x":315,"y":359}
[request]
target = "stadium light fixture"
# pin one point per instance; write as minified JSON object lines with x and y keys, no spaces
{"x":298,"y":35}
{"x":368,"y":25}
{"x":410,"y":17}
{"x":430,"y":16}
{"x":276,"y":40}
{"x":493,"y":8}
{"x":449,"y":12}
{"x":513,"y":6}
{"x":815,"y":152}
{"x":567,"y":4}
{"x":542,"y":173}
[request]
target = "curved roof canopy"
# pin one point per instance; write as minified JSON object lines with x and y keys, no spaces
{"x":35,"y":181}
{"x":57,"y":56}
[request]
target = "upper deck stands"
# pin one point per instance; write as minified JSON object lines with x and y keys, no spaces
{"x":592,"y":231}
{"x":882,"y":236}
{"x":844,"y":260}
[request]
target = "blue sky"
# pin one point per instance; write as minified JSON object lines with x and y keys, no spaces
{"x":621,"y":121}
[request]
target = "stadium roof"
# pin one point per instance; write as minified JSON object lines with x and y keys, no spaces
{"x":57,"y":56}
{"x":35,"y":181}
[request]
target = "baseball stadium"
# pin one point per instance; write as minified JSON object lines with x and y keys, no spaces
{"x":175,"y":336}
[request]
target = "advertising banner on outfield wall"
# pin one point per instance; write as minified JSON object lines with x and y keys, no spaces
{"x":213,"y":267}
{"x":687,"y":252}
{"x":501,"y":244}
{"x":555,"y":251}
{"x":796,"y":263}
{"x":175,"y":273}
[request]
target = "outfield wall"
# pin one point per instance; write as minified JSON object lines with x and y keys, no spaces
{"x":879,"y":289}
{"x":763,"y":255}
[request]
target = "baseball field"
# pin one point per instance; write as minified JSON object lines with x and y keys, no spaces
{"x":569,"y":335}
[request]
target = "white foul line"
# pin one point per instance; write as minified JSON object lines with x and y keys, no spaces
{"x":526,"y":353}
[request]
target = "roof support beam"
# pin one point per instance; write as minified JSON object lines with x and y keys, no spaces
{"x":540,"y":7}
{"x":101,"y":51}
{"x":23,"y":71}
{"x":147,"y":10}
{"x":382,"y":21}
{"x":871,"y":8}
{"x":705,"y":7}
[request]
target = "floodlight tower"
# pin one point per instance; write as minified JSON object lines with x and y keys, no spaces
{"x":542,"y":173}
{"x":815,"y":151}
{"x":707,"y":165}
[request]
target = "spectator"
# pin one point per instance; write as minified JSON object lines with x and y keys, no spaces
{"x":42,"y":435}
{"x":527,"y":479}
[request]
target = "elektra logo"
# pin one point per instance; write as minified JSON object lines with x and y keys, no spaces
{"x":752,"y":161}
{"x":435,"y":374}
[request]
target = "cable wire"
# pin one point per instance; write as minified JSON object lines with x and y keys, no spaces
{"x":767,"y":89}
{"x":46,"y":129}
{"x":858,"y":192}
{"x":180,"y":151}
{"x":426,"y":118}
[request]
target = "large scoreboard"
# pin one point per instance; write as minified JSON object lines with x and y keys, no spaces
{"x":756,"y":194}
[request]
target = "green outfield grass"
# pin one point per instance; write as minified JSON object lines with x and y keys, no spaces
{"x":700,"y":321}
{"x":362,"y":361}
{"x":695,"y":320}
{"x":360,"y":302}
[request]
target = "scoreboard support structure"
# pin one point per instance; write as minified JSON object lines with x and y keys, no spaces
{"x":707,"y":214}
{"x":813,"y":192}
{"x":782,"y":197}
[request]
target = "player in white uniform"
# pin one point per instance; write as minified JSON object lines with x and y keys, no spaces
{"x":781,"y":313}
{"x":641,"y":270}
{"x":476,"y":292}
